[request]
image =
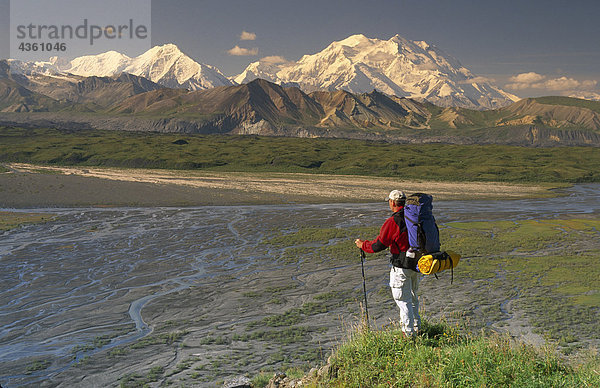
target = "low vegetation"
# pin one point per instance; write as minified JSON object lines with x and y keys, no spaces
{"x":38,"y":365}
{"x":159,"y":339}
{"x":276,"y":154}
{"x":442,"y":356}
{"x":11,"y":220}
{"x":545,"y":267}
{"x":142,"y":380}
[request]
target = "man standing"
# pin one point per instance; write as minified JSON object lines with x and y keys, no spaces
{"x":404,"y":278}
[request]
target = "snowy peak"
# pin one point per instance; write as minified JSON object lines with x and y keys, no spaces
{"x":166,"y":49}
{"x":353,"y":41}
{"x":396,"y":66}
{"x":49,"y":67}
{"x":166,"y":65}
{"x":265,"y":69}
{"x":358,"y":64}
{"x":102,"y":65}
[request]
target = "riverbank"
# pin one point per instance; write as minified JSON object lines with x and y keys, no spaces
{"x":30,"y":186}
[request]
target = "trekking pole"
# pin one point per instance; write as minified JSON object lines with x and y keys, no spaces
{"x":362,"y":260}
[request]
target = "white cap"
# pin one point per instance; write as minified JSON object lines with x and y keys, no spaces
{"x":396,"y":195}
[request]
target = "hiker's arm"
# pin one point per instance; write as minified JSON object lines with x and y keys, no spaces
{"x":379,"y":244}
{"x":373,"y":246}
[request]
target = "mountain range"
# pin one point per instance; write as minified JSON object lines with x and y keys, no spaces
{"x":358,"y":87}
{"x":400,"y":67}
{"x":165,"y":65}
{"x":129,"y":102}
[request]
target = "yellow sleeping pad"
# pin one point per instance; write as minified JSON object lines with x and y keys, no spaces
{"x":437,"y":262}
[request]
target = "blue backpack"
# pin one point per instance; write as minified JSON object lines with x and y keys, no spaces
{"x":423,"y":232}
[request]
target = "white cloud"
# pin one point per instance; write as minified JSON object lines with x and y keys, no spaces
{"x":589,"y":84}
{"x":245,"y":35}
{"x":524,"y":81}
{"x":274,"y":60}
{"x":533,"y":80}
{"x":240,"y":51}
{"x":562,"y":83}
{"x":528,"y":78}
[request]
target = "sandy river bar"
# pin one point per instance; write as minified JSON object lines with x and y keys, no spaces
{"x":27,"y":186}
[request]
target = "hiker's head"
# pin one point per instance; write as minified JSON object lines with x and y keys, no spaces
{"x":396,"y":198}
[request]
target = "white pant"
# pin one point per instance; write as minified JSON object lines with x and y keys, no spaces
{"x":405,"y":284}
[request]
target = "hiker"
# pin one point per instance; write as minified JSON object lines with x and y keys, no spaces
{"x":404,"y":278}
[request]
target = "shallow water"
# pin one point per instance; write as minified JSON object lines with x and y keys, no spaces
{"x":91,"y":271}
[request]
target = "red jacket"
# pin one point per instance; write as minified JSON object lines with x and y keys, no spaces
{"x":393,"y":234}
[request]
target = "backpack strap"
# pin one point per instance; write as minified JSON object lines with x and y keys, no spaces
{"x":402,"y":225}
{"x":401,"y":261}
{"x":400,"y":215}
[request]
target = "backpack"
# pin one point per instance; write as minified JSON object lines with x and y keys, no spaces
{"x":423,"y":232}
{"x":424,"y":236}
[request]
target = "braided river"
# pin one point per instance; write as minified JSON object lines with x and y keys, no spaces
{"x":91,"y":271}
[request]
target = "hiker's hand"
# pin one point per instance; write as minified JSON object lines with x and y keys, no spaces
{"x":358,"y":243}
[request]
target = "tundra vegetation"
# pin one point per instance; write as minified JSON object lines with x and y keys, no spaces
{"x":442,"y":162}
{"x":11,"y":220}
{"x":545,"y":267}
{"x":538,"y":273}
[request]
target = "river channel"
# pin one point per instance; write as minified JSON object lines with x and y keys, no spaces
{"x":91,"y":271}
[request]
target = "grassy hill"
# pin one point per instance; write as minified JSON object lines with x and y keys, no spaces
{"x":443,"y":357}
{"x":569,"y":101}
{"x":545,"y":112}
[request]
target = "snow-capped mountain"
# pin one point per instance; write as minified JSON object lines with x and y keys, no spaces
{"x":396,"y":66}
{"x":356,"y":64}
{"x":266,"y":69}
{"x":165,"y":65}
{"x":50,"y":67}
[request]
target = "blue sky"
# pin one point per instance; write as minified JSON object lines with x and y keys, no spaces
{"x":528,"y":47}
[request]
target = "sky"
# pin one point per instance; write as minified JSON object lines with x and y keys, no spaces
{"x":527,"y":47}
